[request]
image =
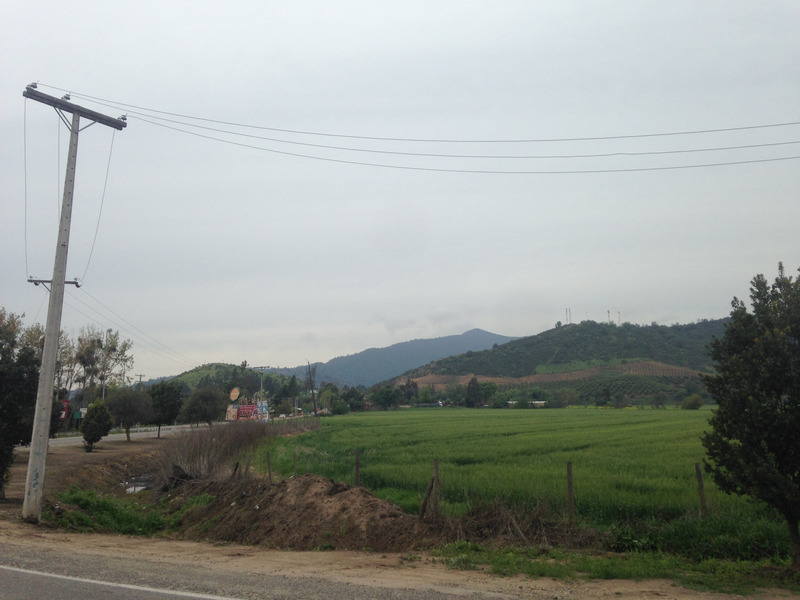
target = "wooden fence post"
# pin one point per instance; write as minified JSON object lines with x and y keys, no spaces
{"x":570,"y":496}
{"x":702,"y":489}
{"x":437,"y":489}
{"x":358,"y":469}
{"x":432,"y":495}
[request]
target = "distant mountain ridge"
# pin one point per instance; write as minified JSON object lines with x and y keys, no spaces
{"x":375,"y":365}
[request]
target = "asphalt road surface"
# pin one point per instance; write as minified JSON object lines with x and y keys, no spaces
{"x":77,"y":440}
{"x":45,"y":574}
{"x":20,"y":584}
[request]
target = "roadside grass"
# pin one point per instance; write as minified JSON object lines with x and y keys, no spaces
{"x":174,"y":518}
{"x":88,"y":511}
{"x":722,"y":576}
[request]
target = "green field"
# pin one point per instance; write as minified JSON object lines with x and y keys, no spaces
{"x":630,"y":466}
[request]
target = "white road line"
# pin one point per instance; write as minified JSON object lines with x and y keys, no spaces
{"x":138,"y":588}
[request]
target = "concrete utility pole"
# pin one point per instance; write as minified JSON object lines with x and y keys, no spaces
{"x":34,"y":483}
{"x":261,"y":373}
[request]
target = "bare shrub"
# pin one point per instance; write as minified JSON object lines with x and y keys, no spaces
{"x":206,"y":453}
{"x":510,"y":522}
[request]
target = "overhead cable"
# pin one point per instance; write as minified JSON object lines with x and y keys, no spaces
{"x":476,"y":156}
{"x":122,"y":105}
{"x":476,"y":171}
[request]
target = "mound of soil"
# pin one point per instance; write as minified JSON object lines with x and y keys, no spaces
{"x":304,"y":513}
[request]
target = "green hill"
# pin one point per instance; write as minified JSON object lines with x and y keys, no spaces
{"x":226,"y":377}
{"x":579,"y":346}
{"x":587,"y":362}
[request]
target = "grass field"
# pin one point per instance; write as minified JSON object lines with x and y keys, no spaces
{"x":633,"y":470}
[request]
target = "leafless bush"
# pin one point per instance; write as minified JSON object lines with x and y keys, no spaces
{"x":205,"y":453}
{"x":515,"y":523}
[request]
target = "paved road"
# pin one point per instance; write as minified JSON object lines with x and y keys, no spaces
{"x":146,"y":432}
{"x":47,"y":574}
{"x":23,"y":584}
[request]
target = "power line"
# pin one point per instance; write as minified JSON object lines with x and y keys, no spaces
{"x":102,"y":202}
{"x":153,"y":340}
{"x":473,"y":156}
{"x":123,"y":105}
{"x":105,"y":319}
{"x":475,"y":171}
{"x":152,"y":117}
{"x":148,"y":341}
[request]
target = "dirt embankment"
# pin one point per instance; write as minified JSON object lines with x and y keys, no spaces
{"x":306,"y":513}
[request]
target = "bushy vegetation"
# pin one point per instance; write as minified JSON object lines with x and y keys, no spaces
{"x":96,"y":424}
{"x":19,"y":374}
{"x":753,"y":447}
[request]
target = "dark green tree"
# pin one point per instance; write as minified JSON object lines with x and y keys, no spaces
{"x":167,"y":400}
{"x":19,"y":376}
{"x":289,"y":390}
{"x":605,"y":397}
{"x":129,"y":406}
{"x":96,"y":424}
{"x":474,"y":393}
{"x":285,"y":408}
{"x":354,"y":398}
{"x":488,"y":390}
{"x":754,"y":446}
{"x":340,"y":407}
{"x":410,"y":390}
{"x":205,"y":405}
{"x":387,"y":397}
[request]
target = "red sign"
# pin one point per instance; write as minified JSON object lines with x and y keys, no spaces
{"x":64,"y":410}
{"x":248,"y":413}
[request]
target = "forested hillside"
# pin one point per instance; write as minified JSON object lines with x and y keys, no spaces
{"x":590,"y":362}
{"x":226,"y":377}
{"x":578,"y":346}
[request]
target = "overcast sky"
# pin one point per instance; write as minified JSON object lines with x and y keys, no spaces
{"x":321,"y":230}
